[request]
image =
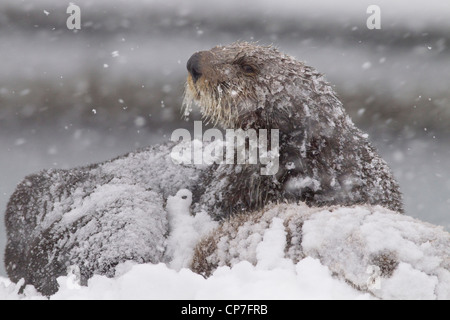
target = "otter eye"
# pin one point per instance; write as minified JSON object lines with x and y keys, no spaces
{"x":245,"y":65}
{"x":248,"y":68}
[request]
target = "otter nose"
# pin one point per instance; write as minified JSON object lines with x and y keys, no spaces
{"x":193,"y":66}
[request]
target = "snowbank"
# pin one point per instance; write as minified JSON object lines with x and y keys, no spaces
{"x":344,"y":253}
{"x":307,"y":279}
{"x":389,"y":255}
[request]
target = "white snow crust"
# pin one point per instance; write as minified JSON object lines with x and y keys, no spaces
{"x":328,"y":259}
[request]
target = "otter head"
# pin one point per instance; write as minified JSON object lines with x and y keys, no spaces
{"x":244,"y":85}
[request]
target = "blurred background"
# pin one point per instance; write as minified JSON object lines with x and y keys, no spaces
{"x":73,"y":98}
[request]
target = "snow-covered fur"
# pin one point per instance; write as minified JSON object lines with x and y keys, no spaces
{"x":98,"y":216}
{"x":391,"y":256}
{"x":94,"y":217}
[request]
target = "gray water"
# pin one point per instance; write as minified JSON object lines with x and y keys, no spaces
{"x":69,"y":99}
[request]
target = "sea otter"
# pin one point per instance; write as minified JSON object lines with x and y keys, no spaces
{"x":98,"y":216}
{"x":324,"y":159}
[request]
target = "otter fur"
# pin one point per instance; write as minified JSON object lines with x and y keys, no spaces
{"x":60,"y":218}
{"x":324,"y":159}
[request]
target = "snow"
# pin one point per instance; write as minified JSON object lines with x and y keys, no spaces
{"x":307,"y":279}
{"x":358,"y":235}
{"x":336,"y":258}
{"x":140,"y":122}
{"x":300,"y":183}
{"x":366,"y":65}
{"x":185,"y":230}
{"x":270,"y":251}
{"x":388,"y":255}
{"x":419,"y":285}
{"x":10,"y":291}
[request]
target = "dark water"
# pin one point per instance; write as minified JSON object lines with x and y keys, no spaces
{"x":68,"y":99}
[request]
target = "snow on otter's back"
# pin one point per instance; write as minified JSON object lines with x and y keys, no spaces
{"x":388,"y":255}
{"x":413,"y":258}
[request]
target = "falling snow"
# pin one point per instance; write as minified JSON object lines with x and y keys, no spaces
{"x":50,"y":85}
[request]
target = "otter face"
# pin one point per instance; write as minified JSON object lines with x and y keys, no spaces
{"x":237,"y":86}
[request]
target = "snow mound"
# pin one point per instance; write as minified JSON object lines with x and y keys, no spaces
{"x":282,"y":252}
{"x":308,"y":279}
{"x":388,"y":255}
{"x":410,"y":258}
